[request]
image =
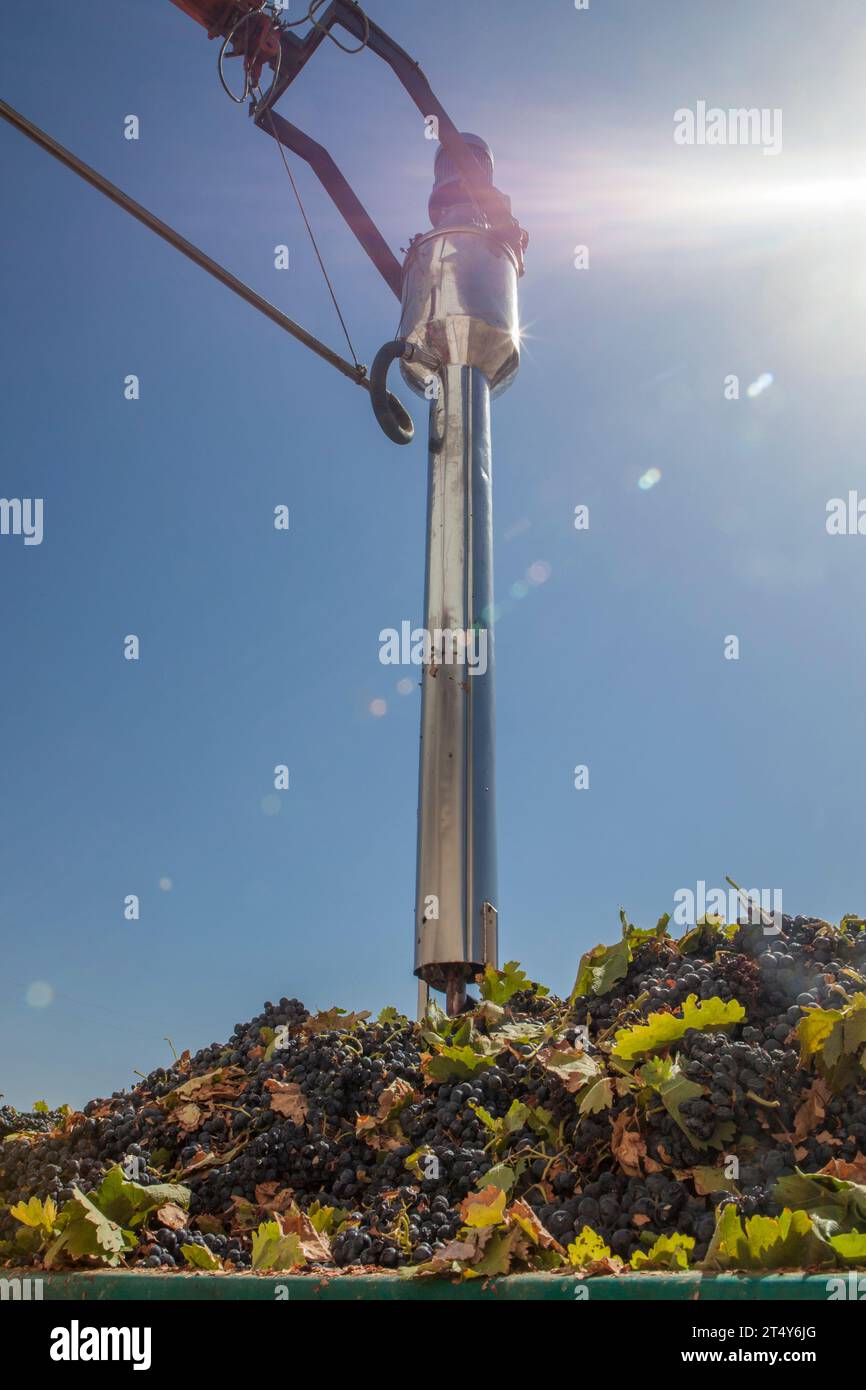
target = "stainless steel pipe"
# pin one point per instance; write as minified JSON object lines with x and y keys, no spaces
{"x":460,"y":307}
{"x":456,"y":866}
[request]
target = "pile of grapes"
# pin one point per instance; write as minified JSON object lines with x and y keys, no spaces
{"x":683,"y":1088}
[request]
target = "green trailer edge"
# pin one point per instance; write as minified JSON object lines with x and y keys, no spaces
{"x":129,"y":1286}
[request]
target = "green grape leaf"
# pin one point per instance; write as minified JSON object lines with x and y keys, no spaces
{"x":200,"y":1257}
{"x":500,"y":985}
{"x":827,"y":1198}
{"x":273,"y":1250}
{"x":668,"y":1252}
{"x":452,"y":1063}
{"x":87,"y":1231}
{"x":572,"y":1066}
{"x":502,"y":1175}
{"x":599,"y":1096}
{"x":484,"y":1208}
{"x":128,"y":1203}
{"x":586,"y":1248}
{"x":662,"y":1029}
{"x":850,"y":1246}
{"x":601,"y":968}
{"x":833,"y":1039}
{"x":37,"y":1214}
{"x":788,"y":1241}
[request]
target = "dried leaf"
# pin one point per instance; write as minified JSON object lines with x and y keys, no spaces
{"x":172,"y":1216}
{"x":287,"y":1099}
{"x":848,"y":1172}
{"x":812,"y":1110}
{"x":314,"y":1244}
{"x":189,"y":1117}
{"x":626,"y":1144}
{"x":522,"y":1213}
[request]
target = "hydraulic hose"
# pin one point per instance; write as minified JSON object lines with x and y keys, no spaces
{"x":393,"y":418}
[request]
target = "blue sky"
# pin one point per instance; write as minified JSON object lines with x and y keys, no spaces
{"x":259,"y":647}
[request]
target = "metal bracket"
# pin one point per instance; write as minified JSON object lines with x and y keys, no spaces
{"x":490,"y":934}
{"x":339,"y":190}
{"x":221,"y":17}
{"x":296,"y":53}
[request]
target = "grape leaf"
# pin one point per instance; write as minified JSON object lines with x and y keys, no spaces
{"x":208,"y":1225}
{"x":789,"y":1241}
{"x":128,"y":1203}
{"x":572,"y":1066}
{"x":850,"y":1245}
{"x":87,"y":1231}
{"x":436,"y":1027}
{"x":668,"y":1252}
{"x":485,"y":1208}
{"x":287,"y":1099}
{"x":499,"y":985}
{"x":273,"y":1250}
{"x":825,"y":1197}
{"x":392,"y":1017}
{"x":36,"y":1213}
{"x":705,"y":934}
{"x":586,"y":1248}
{"x":662,"y":1029}
{"x":335,"y":1021}
{"x":503,"y":1175}
{"x":599,"y":1096}
{"x":673,"y":1088}
{"x":522,"y":1214}
{"x":600,"y":968}
{"x":327,"y":1220}
{"x":526,"y":1031}
{"x":707,"y":1180}
{"x":453,"y":1063}
{"x":832,"y":1038}
{"x":627,"y":1144}
{"x":497,"y":1256}
{"x":224,"y":1083}
{"x":200,"y":1257}
{"x":517,"y":1117}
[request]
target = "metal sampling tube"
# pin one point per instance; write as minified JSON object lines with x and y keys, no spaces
{"x":460,"y":304}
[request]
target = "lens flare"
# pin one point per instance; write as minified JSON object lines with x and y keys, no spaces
{"x":378,"y":708}
{"x":39,"y":994}
{"x":758,"y":387}
{"x":649,"y":479}
{"x":538,"y":572}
